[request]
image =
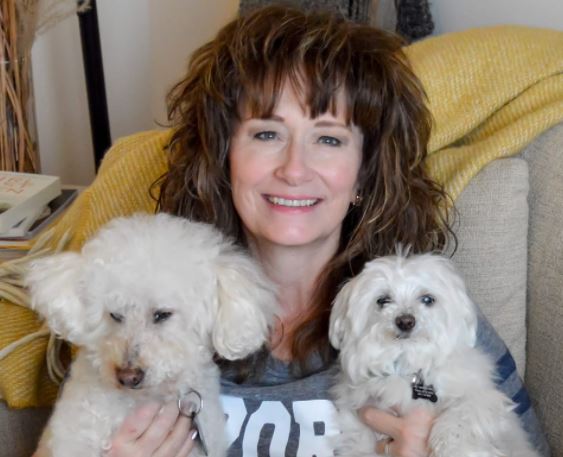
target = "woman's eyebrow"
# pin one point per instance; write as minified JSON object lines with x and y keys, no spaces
{"x":265,"y":118}
{"x":332,"y":124}
{"x":273,"y":117}
{"x":322,"y":123}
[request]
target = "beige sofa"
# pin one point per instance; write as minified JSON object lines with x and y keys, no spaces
{"x":511,"y":253}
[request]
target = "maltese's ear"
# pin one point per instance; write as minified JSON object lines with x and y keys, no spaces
{"x":465,"y":309}
{"x":339,"y":326}
{"x":246,"y":306}
{"x":53,"y":284}
{"x":469,"y":329}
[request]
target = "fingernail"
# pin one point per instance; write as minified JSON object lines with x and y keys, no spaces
{"x":193,"y":436}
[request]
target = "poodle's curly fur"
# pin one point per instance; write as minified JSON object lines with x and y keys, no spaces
{"x":149,"y":300}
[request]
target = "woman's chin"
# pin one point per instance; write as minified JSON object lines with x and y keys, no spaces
{"x":293,"y":238}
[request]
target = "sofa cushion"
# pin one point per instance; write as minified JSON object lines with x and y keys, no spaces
{"x":492,"y":231}
{"x":545,"y":282}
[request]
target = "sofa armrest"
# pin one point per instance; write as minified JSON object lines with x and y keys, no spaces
{"x":545,"y":282}
{"x":20,"y":429}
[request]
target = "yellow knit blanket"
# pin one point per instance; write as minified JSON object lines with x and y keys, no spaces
{"x":491,"y":91}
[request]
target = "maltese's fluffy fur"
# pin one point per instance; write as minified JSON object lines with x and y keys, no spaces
{"x":406,"y":315}
{"x":148,"y":300}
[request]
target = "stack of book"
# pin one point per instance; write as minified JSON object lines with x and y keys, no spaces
{"x":29,"y":203}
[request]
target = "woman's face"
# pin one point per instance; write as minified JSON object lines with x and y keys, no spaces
{"x":293,"y":178}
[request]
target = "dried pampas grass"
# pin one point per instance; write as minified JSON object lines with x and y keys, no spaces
{"x":20,"y":22}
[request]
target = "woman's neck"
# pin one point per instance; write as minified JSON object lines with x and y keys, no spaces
{"x":294,"y":270}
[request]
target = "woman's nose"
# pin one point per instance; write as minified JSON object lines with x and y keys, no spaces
{"x":294,"y":168}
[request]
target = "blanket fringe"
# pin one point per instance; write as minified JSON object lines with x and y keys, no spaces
{"x":12,"y":289}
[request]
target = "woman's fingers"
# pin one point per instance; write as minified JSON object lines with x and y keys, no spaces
{"x":409,"y":433}
{"x":178,"y":439}
{"x":160,"y":428}
{"x":383,"y":447}
{"x":153,"y":430}
{"x":188,"y":445}
{"x":124,"y":442}
{"x":381,"y":421}
{"x":137,"y":423}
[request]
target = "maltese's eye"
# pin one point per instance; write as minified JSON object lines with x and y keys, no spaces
{"x":117,"y":317}
{"x":427,"y":300}
{"x":382,"y":301}
{"x":160,"y":316}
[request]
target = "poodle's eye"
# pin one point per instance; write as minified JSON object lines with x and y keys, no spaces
{"x":382,"y":301}
{"x":117,"y":317}
{"x":160,"y":316}
{"x":427,"y":300}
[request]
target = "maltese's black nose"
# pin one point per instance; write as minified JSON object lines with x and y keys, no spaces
{"x":405,"y":322}
{"x":130,"y":377}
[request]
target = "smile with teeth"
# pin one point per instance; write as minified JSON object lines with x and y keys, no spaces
{"x":292,"y":202}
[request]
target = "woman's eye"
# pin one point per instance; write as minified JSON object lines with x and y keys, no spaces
{"x":427,"y":300}
{"x":383,"y":300}
{"x":267,"y":135}
{"x":117,"y":317}
{"x":160,"y":316}
{"x":329,"y":140}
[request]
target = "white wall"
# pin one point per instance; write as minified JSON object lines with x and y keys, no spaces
{"x":61,"y":105}
{"x":455,"y":15}
{"x":145,"y":46}
{"x":179,"y":27}
{"x":125,"y":32}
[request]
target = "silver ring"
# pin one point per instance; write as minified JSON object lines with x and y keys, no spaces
{"x":190,"y":403}
{"x":386,"y":448}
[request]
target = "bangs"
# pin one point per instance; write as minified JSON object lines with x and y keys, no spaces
{"x":259,"y":96}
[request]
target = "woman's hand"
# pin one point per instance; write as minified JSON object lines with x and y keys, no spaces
{"x":153,"y":430}
{"x":409,"y":433}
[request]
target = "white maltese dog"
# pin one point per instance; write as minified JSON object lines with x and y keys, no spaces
{"x":406,"y":331}
{"x":149,"y":301}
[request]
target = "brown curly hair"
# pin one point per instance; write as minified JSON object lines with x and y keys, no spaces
{"x":245,"y":67}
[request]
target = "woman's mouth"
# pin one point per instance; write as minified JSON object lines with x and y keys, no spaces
{"x":292,"y":202}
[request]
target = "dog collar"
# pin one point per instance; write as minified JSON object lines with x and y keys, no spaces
{"x":419,"y":390}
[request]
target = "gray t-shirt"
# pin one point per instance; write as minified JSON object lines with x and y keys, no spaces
{"x":283,"y":415}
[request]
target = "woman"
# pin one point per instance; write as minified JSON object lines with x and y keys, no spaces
{"x":303,"y":137}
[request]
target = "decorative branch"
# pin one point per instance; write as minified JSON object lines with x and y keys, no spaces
{"x":20,"y":22}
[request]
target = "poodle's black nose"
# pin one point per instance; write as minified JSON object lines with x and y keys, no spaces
{"x":405,"y":322}
{"x":130,"y":377}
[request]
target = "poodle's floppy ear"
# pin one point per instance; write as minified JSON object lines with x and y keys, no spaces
{"x":338,"y":326}
{"x":246,"y":305}
{"x":53,"y":285}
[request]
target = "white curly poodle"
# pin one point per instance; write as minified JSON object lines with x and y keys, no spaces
{"x":406,"y":330}
{"x":148,"y":300}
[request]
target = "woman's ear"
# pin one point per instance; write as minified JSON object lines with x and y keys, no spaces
{"x":246,"y":302}
{"x":53,"y":285}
